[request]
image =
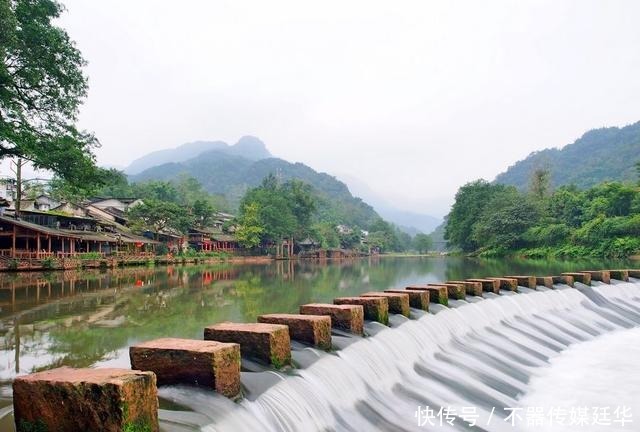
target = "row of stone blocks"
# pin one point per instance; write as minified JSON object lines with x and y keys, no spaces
{"x":68,"y":399}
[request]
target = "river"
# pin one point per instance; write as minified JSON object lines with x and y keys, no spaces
{"x":89,"y":319}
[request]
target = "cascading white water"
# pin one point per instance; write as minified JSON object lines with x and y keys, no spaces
{"x":475,"y":358}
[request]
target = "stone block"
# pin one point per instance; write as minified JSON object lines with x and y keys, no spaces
{"x":269,"y":343}
{"x":343,"y":317}
{"x":622,"y":275}
{"x":437,"y":294}
{"x":398,"y":302}
{"x":211,"y":364}
{"x":584,"y":278}
{"x":507,"y":283}
{"x":73,"y":400}
{"x":525,"y":281}
{"x":312,"y":329}
{"x":455,"y":291}
{"x":417,"y":299}
{"x":375,"y":308}
{"x":565,"y":279}
{"x":472,"y":288}
{"x":599,"y":275}
{"x":546,"y":281}
{"x":488,"y":285}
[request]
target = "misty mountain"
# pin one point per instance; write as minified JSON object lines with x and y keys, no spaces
{"x":605,"y":154}
{"x":409,"y":222}
{"x":230,"y":175}
{"x":248,"y":147}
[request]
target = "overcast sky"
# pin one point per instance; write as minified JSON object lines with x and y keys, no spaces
{"x":413,"y":98}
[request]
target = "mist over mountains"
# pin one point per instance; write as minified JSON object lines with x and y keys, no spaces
{"x":229,"y":170}
{"x":408,"y":221}
{"x":248,"y":147}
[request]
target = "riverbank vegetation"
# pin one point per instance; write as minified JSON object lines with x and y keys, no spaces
{"x":491,"y":219}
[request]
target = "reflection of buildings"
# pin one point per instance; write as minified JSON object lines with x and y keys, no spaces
{"x":78,"y":318}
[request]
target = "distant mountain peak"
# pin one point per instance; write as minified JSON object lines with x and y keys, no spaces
{"x":227,"y":174}
{"x":249,"y":147}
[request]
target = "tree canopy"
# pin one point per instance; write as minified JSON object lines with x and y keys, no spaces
{"x":276,"y":211}
{"x":41,"y":88}
{"x":493,"y":219}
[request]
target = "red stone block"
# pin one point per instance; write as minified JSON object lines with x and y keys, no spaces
{"x":185,"y":361}
{"x":437,"y":294}
{"x":634,"y":273}
{"x":375,"y":308}
{"x":455,"y":291}
{"x":417,"y":299}
{"x":599,"y":275}
{"x":312,"y":329}
{"x":472,"y":288}
{"x":488,"y":285}
{"x":343,"y":317}
{"x":546,"y":281}
{"x":622,"y":275}
{"x":565,"y":279}
{"x":507,"y":283}
{"x":73,"y":400}
{"x":584,"y":278}
{"x":525,"y":281}
{"x":267,"y":342}
{"x":398,"y":302}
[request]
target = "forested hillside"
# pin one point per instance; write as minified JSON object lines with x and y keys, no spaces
{"x":231,"y":176}
{"x":495,"y":219}
{"x":607,"y":154}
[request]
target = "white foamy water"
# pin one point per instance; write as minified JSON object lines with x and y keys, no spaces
{"x":601,"y":376}
{"x":541,"y":349}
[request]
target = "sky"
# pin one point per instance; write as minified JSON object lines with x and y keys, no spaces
{"x":413,"y":98}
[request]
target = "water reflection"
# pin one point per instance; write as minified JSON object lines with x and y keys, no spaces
{"x":82,"y":318}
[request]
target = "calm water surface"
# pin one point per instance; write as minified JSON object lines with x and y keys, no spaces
{"x":90,"y":318}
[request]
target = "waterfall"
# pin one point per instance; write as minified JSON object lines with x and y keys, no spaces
{"x":473,"y":360}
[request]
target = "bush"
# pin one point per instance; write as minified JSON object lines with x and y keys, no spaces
{"x":48,"y":263}
{"x":90,"y":255}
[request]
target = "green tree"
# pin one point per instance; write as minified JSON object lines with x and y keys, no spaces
{"x":250,"y":229}
{"x":283,"y":211}
{"x":350,"y":239}
{"x":326,"y":234}
{"x":471,"y":202}
{"x":422,"y":242}
{"x":540,"y":183}
{"x":158,"y":216}
{"x":202,"y":212}
{"x":114,"y":183}
{"x":505,"y":225}
{"x":41,"y":88}
{"x":157,"y":190}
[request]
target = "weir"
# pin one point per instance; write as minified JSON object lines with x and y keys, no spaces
{"x":479,"y":354}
